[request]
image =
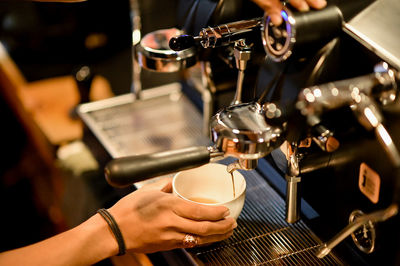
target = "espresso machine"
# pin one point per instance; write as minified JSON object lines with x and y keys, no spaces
{"x":308,"y":111}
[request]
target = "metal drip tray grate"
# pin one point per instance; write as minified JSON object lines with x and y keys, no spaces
{"x":163,"y":120}
{"x":263,"y":237}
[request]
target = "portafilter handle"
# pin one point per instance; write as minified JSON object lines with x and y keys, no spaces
{"x":125,"y":171}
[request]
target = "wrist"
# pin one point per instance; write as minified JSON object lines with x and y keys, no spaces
{"x":99,"y":238}
{"x":114,"y":229}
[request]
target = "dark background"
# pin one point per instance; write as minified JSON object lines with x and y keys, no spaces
{"x":49,"y":40}
{"x":53,"y":39}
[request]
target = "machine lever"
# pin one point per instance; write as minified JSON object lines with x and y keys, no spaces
{"x":217,"y":36}
{"x":182,"y":42}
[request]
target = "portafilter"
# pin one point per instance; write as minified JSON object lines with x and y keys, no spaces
{"x":241,"y":131}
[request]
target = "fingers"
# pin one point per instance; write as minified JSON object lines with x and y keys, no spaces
{"x":304,"y":5}
{"x":272,"y":8}
{"x":317,"y":4}
{"x":202,"y":240}
{"x":206,"y":228}
{"x":163,"y":184}
{"x":276,"y":18}
{"x":300,"y":5}
{"x":199,"y":212}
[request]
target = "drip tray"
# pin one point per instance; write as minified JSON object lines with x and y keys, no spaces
{"x":163,"y":119}
{"x":263,"y":237}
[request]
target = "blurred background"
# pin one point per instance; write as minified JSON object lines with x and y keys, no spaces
{"x":53,"y":39}
{"x":44,"y":45}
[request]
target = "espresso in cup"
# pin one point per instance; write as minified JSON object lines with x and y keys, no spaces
{"x":211,"y":184}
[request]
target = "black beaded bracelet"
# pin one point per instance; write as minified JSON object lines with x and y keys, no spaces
{"x":115,"y":229}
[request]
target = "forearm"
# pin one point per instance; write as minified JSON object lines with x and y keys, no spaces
{"x":86,"y":244}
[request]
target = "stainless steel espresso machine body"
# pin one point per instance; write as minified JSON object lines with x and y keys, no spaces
{"x":311,"y":107}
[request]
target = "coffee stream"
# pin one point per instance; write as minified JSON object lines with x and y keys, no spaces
{"x":211,"y":201}
{"x":233,"y":185}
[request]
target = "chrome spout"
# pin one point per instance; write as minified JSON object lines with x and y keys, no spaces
{"x":243,"y":164}
{"x":292,"y":186}
{"x":292,"y":198}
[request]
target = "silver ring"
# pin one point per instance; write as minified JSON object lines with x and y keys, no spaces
{"x":190,"y":241}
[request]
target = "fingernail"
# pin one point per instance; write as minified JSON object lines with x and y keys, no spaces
{"x":320,"y":3}
{"x":226,"y":213}
{"x":276,"y":19}
{"x":234,"y":225}
{"x":304,"y":7}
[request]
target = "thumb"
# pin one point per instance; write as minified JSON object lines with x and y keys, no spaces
{"x":162,"y":184}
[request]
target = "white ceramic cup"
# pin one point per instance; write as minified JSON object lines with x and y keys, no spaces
{"x":211,"y":181}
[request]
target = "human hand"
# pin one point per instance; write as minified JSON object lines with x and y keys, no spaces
{"x":151,"y":219}
{"x":162,"y":184}
{"x":273,"y":7}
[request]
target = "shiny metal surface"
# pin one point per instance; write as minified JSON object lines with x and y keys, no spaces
{"x":293,"y":179}
{"x":279,"y":40}
{"x":378,"y":216}
{"x":316,"y":99}
{"x":292,"y":199}
{"x":378,"y":28}
{"x":300,"y":32}
{"x":163,"y":119}
{"x":227,"y":33}
{"x":242,"y":131}
{"x":242,"y":53}
{"x":220,"y":35}
{"x":262,"y":236}
{"x":359,"y":93}
{"x":325,"y":139}
{"x":369,"y":116}
{"x":242,"y":164}
{"x":365,"y":237}
{"x":153,"y":52}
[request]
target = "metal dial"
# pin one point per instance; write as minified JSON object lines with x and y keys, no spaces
{"x":279,"y":40}
{"x":365,"y":236}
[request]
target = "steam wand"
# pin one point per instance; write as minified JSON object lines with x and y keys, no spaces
{"x":354,"y":92}
{"x":369,"y":117}
{"x":378,"y":216}
{"x":357,"y":93}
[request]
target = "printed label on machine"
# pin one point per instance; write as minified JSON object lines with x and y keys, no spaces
{"x":369,"y":182}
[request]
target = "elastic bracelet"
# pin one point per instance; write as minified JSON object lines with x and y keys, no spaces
{"x":115,"y":229}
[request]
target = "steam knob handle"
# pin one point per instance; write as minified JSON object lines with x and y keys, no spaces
{"x":181,"y":42}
